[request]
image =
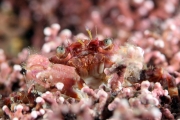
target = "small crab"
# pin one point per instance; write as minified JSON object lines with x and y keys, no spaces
{"x":81,"y":62}
{"x":90,"y":57}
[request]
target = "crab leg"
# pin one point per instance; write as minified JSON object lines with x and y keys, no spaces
{"x":159,"y":75}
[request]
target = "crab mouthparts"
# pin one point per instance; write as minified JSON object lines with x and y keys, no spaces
{"x":83,"y":53}
{"x":95,"y":76}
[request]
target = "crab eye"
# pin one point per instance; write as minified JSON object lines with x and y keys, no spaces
{"x":107,"y":43}
{"x":60,"y":51}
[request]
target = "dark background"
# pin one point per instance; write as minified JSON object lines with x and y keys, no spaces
{"x":22,"y":21}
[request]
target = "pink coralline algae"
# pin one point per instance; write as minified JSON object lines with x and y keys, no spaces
{"x":124,"y":67}
{"x":54,"y":85}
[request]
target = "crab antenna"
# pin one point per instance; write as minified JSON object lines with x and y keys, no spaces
{"x":82,"y":43}
{"x":89,"y":32}
{"x":96,"y":30}
{"x":68,"y":42}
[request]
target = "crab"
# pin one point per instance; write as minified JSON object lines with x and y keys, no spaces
{"x":82,"y":62}
{"x":93,"y":62}
{"x":89,"y":57}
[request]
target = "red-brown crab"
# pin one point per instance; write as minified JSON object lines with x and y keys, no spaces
{"x":89,"y":57}
{"x":81,"y":62}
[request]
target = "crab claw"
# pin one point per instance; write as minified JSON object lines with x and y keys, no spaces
{"x":49,"y":75}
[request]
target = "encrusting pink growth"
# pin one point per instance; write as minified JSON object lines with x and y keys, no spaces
{"x":142,"y":103}
{"x":158,"y":57}
{"x":114,"y":104}
{"x":50,"y":98}
{"x":167,"y":113}
{"x":116,"y":80}
{"x":17,"y":114}
{"x":54,"y":38}
{"x":39,"y":103}
{"x":116,"y":87}
{"x":158,"y":91}
{"x":34,"y":114}
{"x":90,"y":92}
{"x":8,"y":74}
{"x":46,"y":74}
{"x":59,"y":85}
{"x":174,"y":63}
{"x":122,"y":109}
{"x":102,"y":97}
{"x":111,"y":81}
{"x":2,"y":56}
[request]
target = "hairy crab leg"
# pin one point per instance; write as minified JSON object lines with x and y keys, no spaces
{"x":159,"y":75}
